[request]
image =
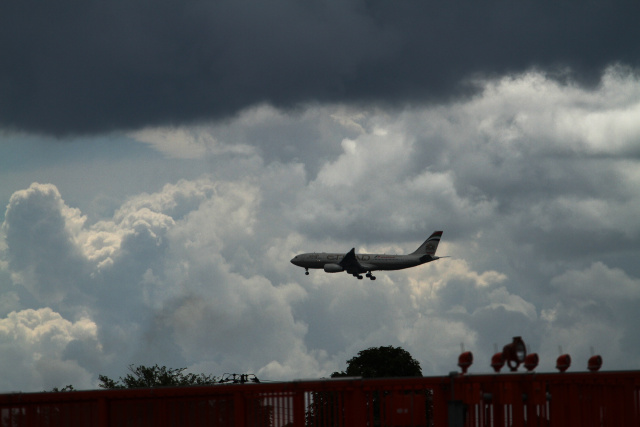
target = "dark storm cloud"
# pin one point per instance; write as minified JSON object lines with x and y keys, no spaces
{"x":84,"y":67}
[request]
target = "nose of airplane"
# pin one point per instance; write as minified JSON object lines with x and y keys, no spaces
{"x":293,"y":260}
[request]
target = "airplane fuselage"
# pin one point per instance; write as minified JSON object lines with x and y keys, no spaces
{"x":317,"y":260}
{"x":356,"y":264}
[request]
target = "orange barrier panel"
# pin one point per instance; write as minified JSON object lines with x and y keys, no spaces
{"x":499,"y":400}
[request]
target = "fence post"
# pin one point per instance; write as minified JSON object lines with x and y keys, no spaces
{"x":355,"y":408}
{"x":299,"y":419}
{"x":103,"y":412}
{"x":238,"y":409}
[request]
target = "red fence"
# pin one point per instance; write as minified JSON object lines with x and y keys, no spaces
{"x":519,"y":400}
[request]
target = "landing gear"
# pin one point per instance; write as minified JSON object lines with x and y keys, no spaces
{"x":306,"y":271}
{"x":371,"y":276}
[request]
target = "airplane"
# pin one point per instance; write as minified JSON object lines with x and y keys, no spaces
{"x":356,"y":264}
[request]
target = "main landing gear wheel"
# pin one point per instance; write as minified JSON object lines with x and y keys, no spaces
{"x":371,"y":276}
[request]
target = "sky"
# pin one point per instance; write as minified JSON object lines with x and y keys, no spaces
{"x":161,"y":162}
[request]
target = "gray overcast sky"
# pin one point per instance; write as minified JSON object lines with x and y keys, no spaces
{"x":162,"y":161}
{"x":74,"y":68}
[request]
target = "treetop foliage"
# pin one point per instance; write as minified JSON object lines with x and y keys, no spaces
{"x":385,"y":361}
{"x":156,"y":376}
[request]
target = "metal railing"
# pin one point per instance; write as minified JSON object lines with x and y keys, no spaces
{"x":500,"y":400}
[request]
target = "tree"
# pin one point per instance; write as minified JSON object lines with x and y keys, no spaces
{"x":389,"y":361}
{"x":65,"y":388}
{"x":377,"y":362}
{"x":156,"y":376}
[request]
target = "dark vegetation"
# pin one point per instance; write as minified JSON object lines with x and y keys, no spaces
{"x":324,"y":407}
{"x":156,"y":376}
{"x":375,"y":362}
{"x":379,"y":362}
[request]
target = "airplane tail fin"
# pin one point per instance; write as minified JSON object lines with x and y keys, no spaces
{"x":430,"y":245}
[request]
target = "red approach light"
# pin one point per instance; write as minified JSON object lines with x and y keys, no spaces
{"x":595,"y":363}
{"x":497,"y":362}
{"x":563,"y":362}
{"x":514,"y":353}
{"x":531,"y":361}
{"x":465,"y":360}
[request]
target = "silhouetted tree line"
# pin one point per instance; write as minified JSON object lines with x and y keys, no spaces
{"x":156,"y":376}
{"x":324,"y":408}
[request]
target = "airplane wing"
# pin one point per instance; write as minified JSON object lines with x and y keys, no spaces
{"x":350,"y":263}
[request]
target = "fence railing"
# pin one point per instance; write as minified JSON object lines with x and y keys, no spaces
{"x":515,"y":400}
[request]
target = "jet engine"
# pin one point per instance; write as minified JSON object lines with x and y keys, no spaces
{"x":333,"y":268}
